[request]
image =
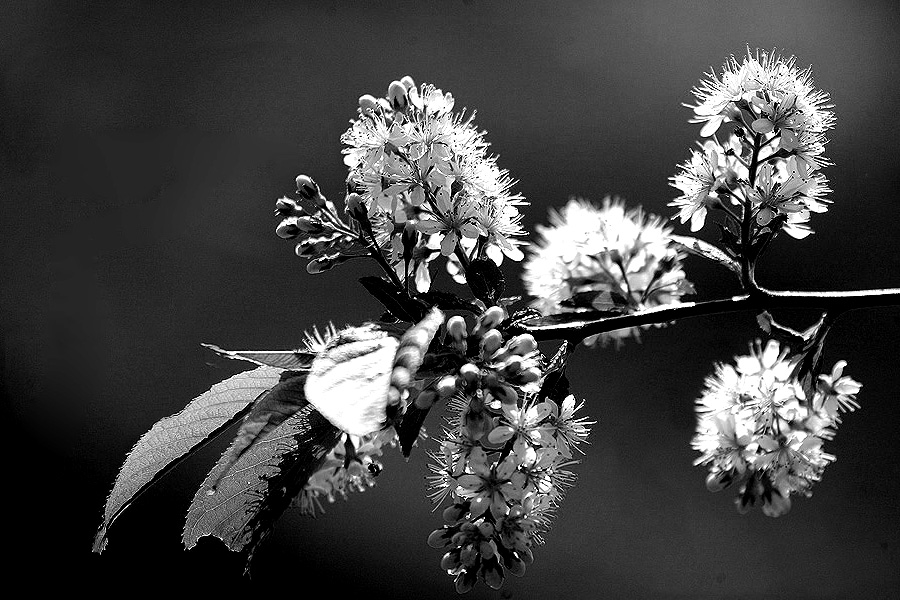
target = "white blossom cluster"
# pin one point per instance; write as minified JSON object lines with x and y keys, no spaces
{"x":503,"y":461}
{"x":759,"y":430}
{"x":604,"y":258}
{"x":415,"y":161}
{"x":770,"y":153}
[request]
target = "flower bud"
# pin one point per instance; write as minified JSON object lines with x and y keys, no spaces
{"x":456,"y":327}
{"x":491,"y":342}
{"x":765,"y":216}
{"x":450,"y":560}
{"x":287,"y":207}
{"x":408,"y":82}
{"x":529,"y":375}
{"x":492,"y":317}
{"x":485,"y":529}
{"x":492,"y":573}
{"x":439,"y":538}
{"x":465,"y":581}
{"x":368,"y":103}
{"x":410,"y":238}
{"x":307,"y":188}
{"x":452,"y":514}
{"x":397,"y":95}
{"x":446,"y":387}
{"x":400,"y":377}
{"x":522,"y":344}
{"x":288,"y":229}
{"x":470,"y":373}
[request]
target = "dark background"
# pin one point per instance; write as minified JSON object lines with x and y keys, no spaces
{"x":143,"y":146}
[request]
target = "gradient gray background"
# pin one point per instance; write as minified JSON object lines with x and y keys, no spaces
{"x":143,"y":147}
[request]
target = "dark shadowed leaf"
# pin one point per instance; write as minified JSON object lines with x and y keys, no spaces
{"x":396,"y":301}
{"x":448,"y":301}
{"x":485,"y":279}
{"x":257,"y":489}
{"x":410,"y":426}
{"x":267,"y":413}
{"x":706,"y":250}
{"x":295,"y":360}
{"x":174,"y":438}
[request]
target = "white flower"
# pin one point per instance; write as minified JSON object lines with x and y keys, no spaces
{"x":759,"y":428}
{"x":603,"y":258}
{"x":697,"y":179}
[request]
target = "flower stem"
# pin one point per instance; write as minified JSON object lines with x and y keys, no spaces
{"x":758,"y":299}
{"x":747,"y":276}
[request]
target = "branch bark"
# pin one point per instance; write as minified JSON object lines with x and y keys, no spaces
{"x":758,"y":300}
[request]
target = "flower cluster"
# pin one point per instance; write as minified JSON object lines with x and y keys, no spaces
{"x":352,"y":465}
{"x":423,"y":169}
{"x":760,"y":430}
{"x":768,"y":163}
{"x":604,"y":258}
{"x":503,"y":461}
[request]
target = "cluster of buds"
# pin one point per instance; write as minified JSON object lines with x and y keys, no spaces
{"x":503,"y":459}
{"x":312,"y":220}
{"x":759,"y":430}
{"x":352,"y":465}
{"x":768,"y":164}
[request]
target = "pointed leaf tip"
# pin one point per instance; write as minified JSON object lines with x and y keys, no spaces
{"x":174,"y":438}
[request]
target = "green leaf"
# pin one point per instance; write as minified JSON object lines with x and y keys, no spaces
{"x":706,"y":250}
{"x":174,"y":438}
{"x":410,"y":426}
{"x":257,"y":489}
{"x":448,"y":301}
{"x":267,"y":413}
{"x":295,"y":360}
{"x":398,"y":302}
{"x":485,"y":279}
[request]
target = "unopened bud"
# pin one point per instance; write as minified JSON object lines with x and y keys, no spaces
{"x":469,"y":372}
{"x":410,"y":238}
{"x":408,"y":82}
{"x":307,"y":188}
{"x":397,"y":95}
{"x":439,"y":538}
{"x":522,"y":344}
{"x":492,"y":317}
{"x":452,"y":514}
{"x":505,"y":394}
{"x":368,"y":103}
{"x":400,"y":377}
{"x":287,"y":207}
{"x":491,"y":341}
{"x":529,"y":375}
{"x":765,"y":216}
{"x":288,"y":229}
{"x":446,"y":387}
{"x":456,"y":327}
{"x":356,"y":208}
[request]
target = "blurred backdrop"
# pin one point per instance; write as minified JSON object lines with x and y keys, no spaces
{"x":143,"y":146}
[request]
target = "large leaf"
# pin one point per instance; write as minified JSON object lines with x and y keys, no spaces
{"x":256,"y":490}
{"x":174,"y":438}
{"x":485,"y":279}
{"x":399,"y":303}
{"x":267,"y":413}
{"x":295,"y":360}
